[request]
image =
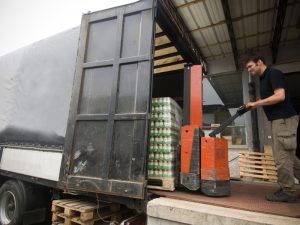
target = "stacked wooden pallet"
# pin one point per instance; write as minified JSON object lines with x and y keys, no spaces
{"x":257,"y":165}
{"x":74,"y":212}
{"x":167,"y":184}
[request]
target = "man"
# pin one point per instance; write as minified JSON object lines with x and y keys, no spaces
{"x":277,"y":106}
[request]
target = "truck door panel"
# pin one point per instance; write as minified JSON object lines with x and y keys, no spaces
{"x":106,"y":139}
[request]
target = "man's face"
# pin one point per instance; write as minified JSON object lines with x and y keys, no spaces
{"x":253,"y":68}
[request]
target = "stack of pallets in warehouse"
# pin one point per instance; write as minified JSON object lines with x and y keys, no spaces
{"x":74,"y":212}
{"x":258,"y":165}
{"x":164,"y":143}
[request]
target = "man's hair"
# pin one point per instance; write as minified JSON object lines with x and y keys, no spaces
{"x":254,"y":58}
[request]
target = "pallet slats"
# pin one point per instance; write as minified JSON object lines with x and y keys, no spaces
{"x":255,"y":171}
{"x":71,"y":208}
{"x":247,"y":161}
{"x":167,"y":184}
{"x":257,"y":165}
{"x":261,"y":177}
{"x":74,"y":212}
{"x":163,"y":47}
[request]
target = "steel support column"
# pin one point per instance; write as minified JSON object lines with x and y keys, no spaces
{"x":230,"y":31}
{"x":281,"y":11}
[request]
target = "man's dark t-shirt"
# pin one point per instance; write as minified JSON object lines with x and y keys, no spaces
{"x":270,"y":80}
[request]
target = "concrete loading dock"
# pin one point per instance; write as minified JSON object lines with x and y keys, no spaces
{"x":246,"y":204}
{"x":167,"y":211}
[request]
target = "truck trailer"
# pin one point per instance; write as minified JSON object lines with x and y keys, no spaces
{"x":75,"y":117}
{"x":76,"y":108}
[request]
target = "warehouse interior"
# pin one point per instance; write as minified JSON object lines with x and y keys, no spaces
{"x":223,"y":32}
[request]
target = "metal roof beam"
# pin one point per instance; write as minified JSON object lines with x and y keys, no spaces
{"x":244,"y":17}
{"x":235,"y":19}
{"x":231,"y":32}
{"x":281,"y":11}
{"x":252,"y":35}
{"x":169,"y":64}
{"x":188,"y":4}
{"x":166,"y":56}
{"x":241,"y":51}
{"x":160,"y":34}
{"x":162,"y":46}
{"x":173,"y":25}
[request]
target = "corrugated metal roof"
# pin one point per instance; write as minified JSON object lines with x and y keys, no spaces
{"x":253,"y":24}
{"x":223,"y":28}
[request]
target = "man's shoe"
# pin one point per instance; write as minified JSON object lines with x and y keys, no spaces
{"x":278,"y":191}
{"x":280,"y":196}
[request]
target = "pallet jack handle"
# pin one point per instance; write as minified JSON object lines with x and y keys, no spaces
{"x":241,"y":110}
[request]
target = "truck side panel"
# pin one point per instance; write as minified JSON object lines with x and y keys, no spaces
{"x":33,"y":163}
{"x":35,"y":91}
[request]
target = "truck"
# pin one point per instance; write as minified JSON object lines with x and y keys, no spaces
{"x":84,"y":127}
{"x":75,"y":118}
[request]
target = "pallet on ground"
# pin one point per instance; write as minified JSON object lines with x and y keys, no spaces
{"x":257,"y":165}
{"x":167,"y":184}
{"x":74,"y":212}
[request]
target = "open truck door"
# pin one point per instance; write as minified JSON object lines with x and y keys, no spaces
{"x":107,"y":133}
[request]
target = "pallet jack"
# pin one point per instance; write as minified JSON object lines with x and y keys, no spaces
{"x":204,"y":160}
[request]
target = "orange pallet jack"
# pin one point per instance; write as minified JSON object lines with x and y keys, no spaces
{"x":204,"y":160}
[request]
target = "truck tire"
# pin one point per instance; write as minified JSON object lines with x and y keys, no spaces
{"x":12,"y":202}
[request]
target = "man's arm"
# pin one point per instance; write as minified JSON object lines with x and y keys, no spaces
{"x":278,"y":96}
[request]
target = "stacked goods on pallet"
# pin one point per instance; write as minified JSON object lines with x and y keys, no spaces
{"x":257,"y":165}
{"x":164,"y":141}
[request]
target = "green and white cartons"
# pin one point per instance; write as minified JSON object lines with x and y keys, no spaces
{"x":164,"y":138}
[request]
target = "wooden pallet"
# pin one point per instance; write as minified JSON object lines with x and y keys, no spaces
{"x":74,"y":212}
{"x":257,"y":165}
{"x":167,"y":184}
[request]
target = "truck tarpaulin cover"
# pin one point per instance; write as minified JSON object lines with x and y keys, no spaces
{"x":35,"y":90}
